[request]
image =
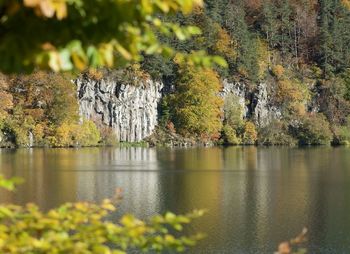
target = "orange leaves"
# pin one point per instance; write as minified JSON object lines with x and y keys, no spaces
{"x":287,"y":90}
{"x":278,"y":70}
{"x":48,"y":8}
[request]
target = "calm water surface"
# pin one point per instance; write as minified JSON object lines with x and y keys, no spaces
{"x":256,"y":197}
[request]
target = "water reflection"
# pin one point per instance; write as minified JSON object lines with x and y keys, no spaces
{"x":256,"y":197}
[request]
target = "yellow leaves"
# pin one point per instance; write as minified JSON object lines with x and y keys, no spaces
{"x":185,"y":6}
{"x":31,"y":3}
{"x":74,"y":134}
{"x":197,"y":106}
{"x":130,"y":221}
{"x":38,"y":132}
{"x":2,"y":241}
{"x":63,"y":134}
{"x":79,"y":61}
{"x":107,"y":205}
{"x":188,"y":5}
{"x":106,"y":50}
{"x":8,"y":184}
{"x":250,"y":134}
{"x":125,"y":40}
{"x":48,"y":8}
{"x":125,"y":53}
{"x":54,"y":61}
{"x":293,"y":94}
{"x":83,"y":228}
{"x":291,"y":91}
{"x":169,"y":238}
{"x":278,"y":71}
{"x":147,"y":6}
{"x":198,"y":59}
{"x":225,"y":45}
{"x":346,"y":3}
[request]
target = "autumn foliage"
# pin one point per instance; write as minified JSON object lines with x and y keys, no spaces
{"x":44,"y":105}
{"x":196,"y":106}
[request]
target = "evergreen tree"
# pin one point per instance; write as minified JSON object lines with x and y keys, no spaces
{"x":270,"y":24}
{"x":235,"y":23}
{"x":285,"y":30}
{"x":334,"y":37}
{"x":214,"y":9}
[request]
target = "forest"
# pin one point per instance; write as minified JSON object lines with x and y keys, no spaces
{"x":298,"y":48}
{"x":292,"y":55}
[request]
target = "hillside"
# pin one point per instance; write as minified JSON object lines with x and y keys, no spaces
{"x":287,"y":82}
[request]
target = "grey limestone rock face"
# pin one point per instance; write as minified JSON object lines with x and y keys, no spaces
{"x":237,"y":89}
{"x":130,"y":110}
{"x":263,"y":110}
{"x":256,"y":105}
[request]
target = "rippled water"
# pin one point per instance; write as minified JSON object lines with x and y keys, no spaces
{"x":256,"y":197}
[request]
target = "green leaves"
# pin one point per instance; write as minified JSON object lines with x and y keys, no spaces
{"x":9,"y":184}
{"x":73,"y":34}
{"x":84,"y":228}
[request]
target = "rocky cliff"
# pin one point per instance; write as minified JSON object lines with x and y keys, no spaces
{"x":130,"y":110}
{"x":256,"y":104}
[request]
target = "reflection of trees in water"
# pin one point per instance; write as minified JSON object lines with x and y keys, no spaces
{"x":256,"y":197}
{"x":44,"y":184}
{"x":193,"y":181}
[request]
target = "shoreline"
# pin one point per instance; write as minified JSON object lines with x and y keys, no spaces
{"x":165,"y":145}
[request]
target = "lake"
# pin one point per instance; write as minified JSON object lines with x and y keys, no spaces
{"x":255,"y":197}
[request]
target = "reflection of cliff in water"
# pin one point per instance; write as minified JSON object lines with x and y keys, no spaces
{"x":255,"y":197}
{"x":133,"y":169}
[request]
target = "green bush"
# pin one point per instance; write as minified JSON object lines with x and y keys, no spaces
{"x":88,"y":134}
{"x":233,"y":113}
{"x":229,"y":136}
{"x":342,"y":135}
{"x":314,"y":129}
{"x":74,"y":134}
{"x":276,"y":133}
{"x":18,"y":128}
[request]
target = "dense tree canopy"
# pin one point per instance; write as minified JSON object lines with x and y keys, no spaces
{"x":196,"y":108}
